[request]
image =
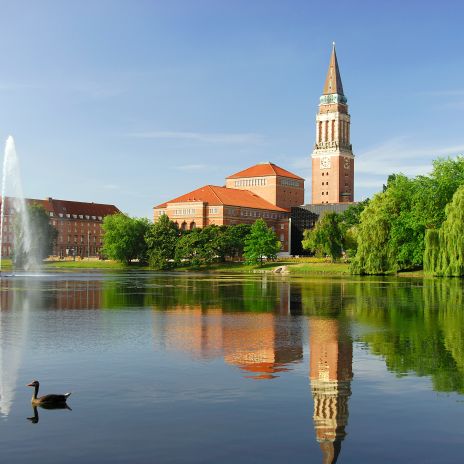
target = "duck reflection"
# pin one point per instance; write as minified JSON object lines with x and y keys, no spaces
{"x":331,"y":355}
{"x":35,"y":418}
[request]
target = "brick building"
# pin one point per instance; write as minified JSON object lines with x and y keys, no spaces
{"x":79,"y":226}
{"x":332,"y":158}
{"x":262,"y":191}
{"x":275,"y":194}
{"x":271,"y":182}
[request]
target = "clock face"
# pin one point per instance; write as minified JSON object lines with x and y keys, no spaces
{"x":347,"y":163}
{"x":325,"y":162}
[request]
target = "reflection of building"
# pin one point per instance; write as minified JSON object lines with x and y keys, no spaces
{"x":261,"y":344}
{"x":79,"y":226}
{"x":194,"y":330}
{"x":258,"y":343}
{"x":331,"y":356}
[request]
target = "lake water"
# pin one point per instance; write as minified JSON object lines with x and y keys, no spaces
{"x":190,"y":368}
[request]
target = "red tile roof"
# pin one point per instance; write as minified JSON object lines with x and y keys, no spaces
{"x":214,"y":195}
{"x":264,"y":169}
{"x":76,"y":207}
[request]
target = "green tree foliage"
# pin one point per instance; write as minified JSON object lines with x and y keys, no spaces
{"x":444,"y":251}
{"x":326,"y":237}
{"x":391,"y":235}
{"x":161,"y":239}
{"x":199,"y":246}
{"x":351,"y":217}
{"x":43,"y":236}
{"x":233,"y":240}
{"x":124,"y":238}
{"x":261,"y":243}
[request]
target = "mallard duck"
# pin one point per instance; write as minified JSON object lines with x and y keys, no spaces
{"x":46,"y":399}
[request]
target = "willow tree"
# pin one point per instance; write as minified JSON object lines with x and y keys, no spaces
{"x":444,"y":252}
{"x":387,"y":233}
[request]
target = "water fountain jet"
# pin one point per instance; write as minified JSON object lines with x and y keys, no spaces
{"x":12,"y":186}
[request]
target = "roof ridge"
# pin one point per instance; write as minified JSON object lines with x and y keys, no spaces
{"x":273,"y":167}
{"x":217,"y":196}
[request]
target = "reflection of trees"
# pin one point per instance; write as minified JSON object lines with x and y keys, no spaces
{"x":420,"y":329}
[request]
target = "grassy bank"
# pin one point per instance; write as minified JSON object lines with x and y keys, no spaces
{"x":293,"y":266}
{"x":84,"y":264}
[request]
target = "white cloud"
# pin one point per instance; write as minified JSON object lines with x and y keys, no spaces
{"x":399,"y":155}
{"x":220,"y":138}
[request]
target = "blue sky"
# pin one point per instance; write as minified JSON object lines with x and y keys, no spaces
{"x":135,"y":102}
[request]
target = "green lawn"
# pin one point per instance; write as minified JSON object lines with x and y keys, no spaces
{"x":294,"y":265}
{"x":84,"y":264}
{"x":319,"y":268}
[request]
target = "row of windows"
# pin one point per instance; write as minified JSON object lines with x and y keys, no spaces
{"x":343,"y":135}
{"x":325,"y":183}
{"x":289,"y":182}
{"x":249,"y":182}
{"x":184,"y":212}
{"x":213,"y":210}
{"x":264,"y":214}
{"x":75,"y":216}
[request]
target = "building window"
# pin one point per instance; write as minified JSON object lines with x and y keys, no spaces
{"x":282,"y":237}
{"x":213,"y":210}
{"x":282,"y":226}
{"x":322,"y":193}
{"x":51,"y":213}
{"x":289,"y":182}
{"x":322,"y":183}
{"x":184,"y":212}
{"x":326,"y":183}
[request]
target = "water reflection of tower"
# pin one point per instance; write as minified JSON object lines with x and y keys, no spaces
{"x":331,"y":355}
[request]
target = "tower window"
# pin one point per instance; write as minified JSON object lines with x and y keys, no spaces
{"x":326,"y":183}
{"x":322,"y":193}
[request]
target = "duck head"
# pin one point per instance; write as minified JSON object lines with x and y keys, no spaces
{"x":34,"y":383}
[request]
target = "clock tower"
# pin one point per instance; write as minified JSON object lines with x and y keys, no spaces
{"x":332,"y":158}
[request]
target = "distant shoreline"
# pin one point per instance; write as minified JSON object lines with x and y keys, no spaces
{"x":289,"y":267}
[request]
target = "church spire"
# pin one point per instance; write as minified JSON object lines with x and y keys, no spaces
{"x":333,"y":81}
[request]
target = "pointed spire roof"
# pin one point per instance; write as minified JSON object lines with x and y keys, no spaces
{"x":333,"y":81}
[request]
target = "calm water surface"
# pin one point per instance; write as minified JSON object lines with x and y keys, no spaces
{"x":258,"y":369}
